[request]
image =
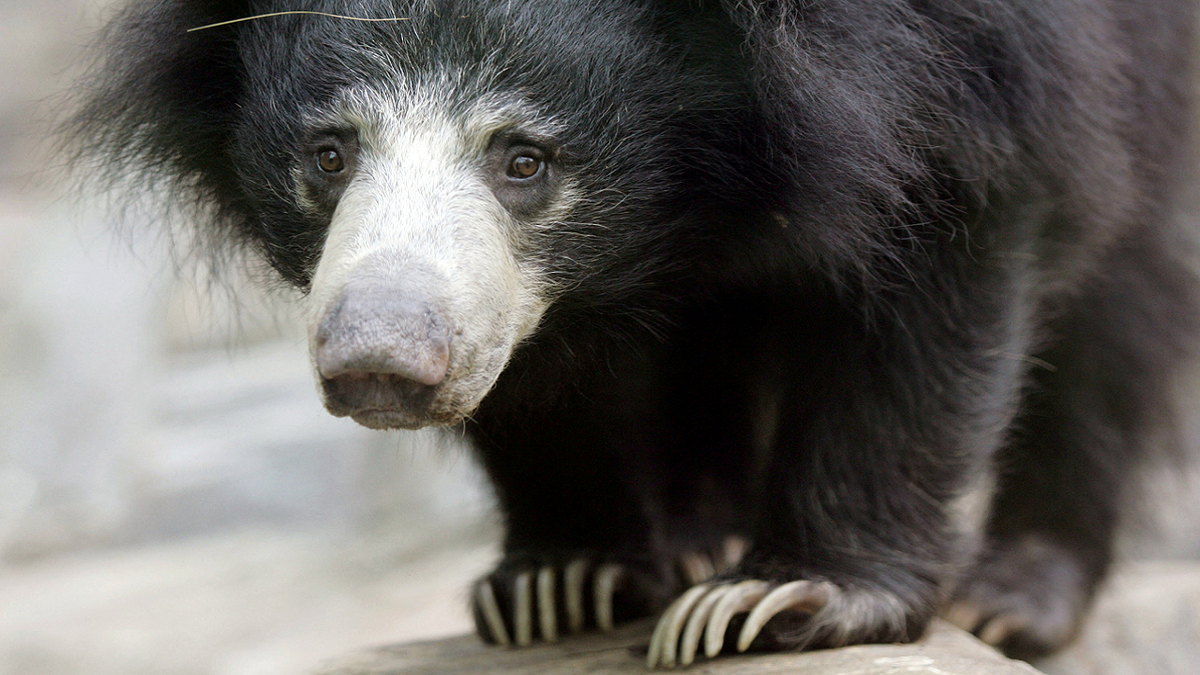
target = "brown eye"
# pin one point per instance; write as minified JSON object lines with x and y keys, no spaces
{"x":524,"y":166}
{"x":330,"y":161}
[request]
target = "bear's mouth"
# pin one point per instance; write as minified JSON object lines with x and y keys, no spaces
{"x":386,"y":401}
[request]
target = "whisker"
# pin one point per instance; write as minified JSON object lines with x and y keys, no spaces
{"x":296,"y":11}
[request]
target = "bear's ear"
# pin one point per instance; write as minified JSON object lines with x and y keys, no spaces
{"x":159,"y":101}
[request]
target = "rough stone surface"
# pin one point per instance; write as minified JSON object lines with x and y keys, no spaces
{"x":944,"y":651}
{"x":1146,"y":622}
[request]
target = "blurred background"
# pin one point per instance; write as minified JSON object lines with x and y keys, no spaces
{"x":173,"y":498}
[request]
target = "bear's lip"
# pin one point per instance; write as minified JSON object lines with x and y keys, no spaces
{"x":395,"y":419}
{"x":388,"y":402}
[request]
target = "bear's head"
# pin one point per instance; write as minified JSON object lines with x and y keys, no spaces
{"x":439,"y":177}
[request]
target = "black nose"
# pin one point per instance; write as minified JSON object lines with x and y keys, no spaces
{"x":383,"y":346}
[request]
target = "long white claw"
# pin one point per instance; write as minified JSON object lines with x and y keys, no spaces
{"x":740,"y":598}
{"x":964,"y":615}
{"x":656,"y":638}
{"x":547,"y":620}
{"x":485,"y":596}
{"x":574,"y":576}
{"x":804,"y":596}
{"x":664,"y":644}
{"x":523,"y":602}
{"x":1000,"y":628}
{"x":656,"y":641}
{"x":604,"y":584}
{"x":695,"y":625}
{"x":547,"y":615}
{"x":697,"y":568}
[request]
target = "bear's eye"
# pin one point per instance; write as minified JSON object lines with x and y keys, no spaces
{"x":524,"y":166}
{"x":330,"y":161}
{"x":523,"y":176}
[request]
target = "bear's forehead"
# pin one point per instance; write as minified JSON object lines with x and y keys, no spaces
{"x":472,"y":45}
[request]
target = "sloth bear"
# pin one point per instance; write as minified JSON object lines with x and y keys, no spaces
{"x":737,"y":300}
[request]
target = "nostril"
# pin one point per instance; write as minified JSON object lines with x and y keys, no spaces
{"x":356,"y":378}
{"x":423,"y":366}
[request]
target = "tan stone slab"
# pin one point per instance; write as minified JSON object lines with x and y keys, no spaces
{"x":944,"y":651}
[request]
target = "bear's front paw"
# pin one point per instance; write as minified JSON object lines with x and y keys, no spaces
{"x":508,"y":604}
{"x":531,"y":596}
{"x":795,"y":615}
{"x":1026,"y":597}
{"x":542,"y":597}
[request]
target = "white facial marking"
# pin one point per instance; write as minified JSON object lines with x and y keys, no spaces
{"x":418,"y":200}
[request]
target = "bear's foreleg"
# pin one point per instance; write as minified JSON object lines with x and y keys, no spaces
{"x":853,"y":540}
{"x":1101,"y":400}
{"x":583,"y":547}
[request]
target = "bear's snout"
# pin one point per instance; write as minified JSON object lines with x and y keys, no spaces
{"x":382,"y":349}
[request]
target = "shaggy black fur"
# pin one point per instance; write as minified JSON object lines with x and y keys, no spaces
{"x":835,"y":260}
